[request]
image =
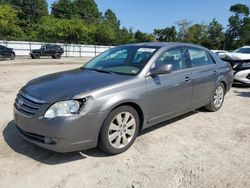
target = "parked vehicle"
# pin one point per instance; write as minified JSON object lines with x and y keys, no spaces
{"x":54,"y":51}
{"x":242,"y":73}
{"x":239,"y":54}
{"x":240,"y":62}
{"x":7,"y":52}
{"x":118,"y":93}
{"x":218,"y":52}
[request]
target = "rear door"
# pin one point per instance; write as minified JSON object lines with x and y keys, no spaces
{"x":169,"y":94}
{"x":204,"y":75}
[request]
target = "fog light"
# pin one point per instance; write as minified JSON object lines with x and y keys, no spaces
{"x":48,"y":140}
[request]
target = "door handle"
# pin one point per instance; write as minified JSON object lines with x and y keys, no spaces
{"x":187,"y":79}
{"x":215,"y":72}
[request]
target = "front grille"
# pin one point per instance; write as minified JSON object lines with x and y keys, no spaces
{"x":26,"y":105}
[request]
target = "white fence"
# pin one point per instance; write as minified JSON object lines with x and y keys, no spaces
{"x":23,"y":48}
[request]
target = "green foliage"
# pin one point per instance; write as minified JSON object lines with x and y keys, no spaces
{"x":86,"y":10}
{"x":53,"y":29}
{"x":216,"y":35}
{"x":169,"y":34}
{"x":80,"y":21}
{"x":238,"y":31}
{"x":143,"y":37}
{"x":29,"y":11}
{"x":8,"y":19}
{"x":197,"y":34}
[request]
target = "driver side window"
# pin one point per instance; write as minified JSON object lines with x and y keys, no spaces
{"x":175,"y":57}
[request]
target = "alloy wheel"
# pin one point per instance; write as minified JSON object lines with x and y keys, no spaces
{"x":218,"y":96}
{"x":122,"y":130}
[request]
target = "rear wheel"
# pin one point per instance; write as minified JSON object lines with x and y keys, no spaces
{"x":57,"y":56}
{"x":119,"y":130}
{"x":36,"y":56}
{"x":12,"y":56}
{"x":217,"y":99}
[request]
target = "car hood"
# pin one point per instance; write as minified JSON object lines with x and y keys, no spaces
{"x":65,"y":85}
{"x":36,"y":50}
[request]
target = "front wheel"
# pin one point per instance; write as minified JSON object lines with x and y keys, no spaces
{"x":217,"y":98}
{"x":12,"y":56}
{"x":119,"y":130}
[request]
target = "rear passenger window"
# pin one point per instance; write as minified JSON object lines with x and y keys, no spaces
{"x":175,"y":57}
{"x":199,"y":57}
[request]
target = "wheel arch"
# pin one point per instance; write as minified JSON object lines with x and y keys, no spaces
{"x":223,"y":81}
{"x":133,"y":105}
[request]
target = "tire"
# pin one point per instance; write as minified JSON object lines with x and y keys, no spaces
{"x":36,"y":56}
{"x":12,"y":56}
{"x":217,"y":98}
{"x":57,"y":56}
{"x":117,"y":137}
{"x":53,"y":57}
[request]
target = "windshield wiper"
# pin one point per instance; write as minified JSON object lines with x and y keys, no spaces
{"x":98,"y":70}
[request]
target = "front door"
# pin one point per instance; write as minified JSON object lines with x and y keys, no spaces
{"x":169,"y":94}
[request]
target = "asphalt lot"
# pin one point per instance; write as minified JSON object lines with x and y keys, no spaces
{"x":198,"y":149}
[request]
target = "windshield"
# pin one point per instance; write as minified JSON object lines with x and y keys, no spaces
{"x":122,"y":60}
{"x":242,"y":50}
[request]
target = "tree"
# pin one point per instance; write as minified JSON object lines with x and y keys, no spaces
{"x":238,"y":23}
{"x":8,"y":23}
{"x":125,"y":36}
{"x":86,"y":10}
{"x":169,"y":34}
{"x":245,"y":32}
{"x":183,"y":29}
{"x":216,"y":35}
{"x":104,"y":34}
{"x":143,"y":37}
{"x":110,"y":17}
{"x":29,"y":11}
{"x":53,"y":29}
{"x":62,"y":9}
{"x":198,"y":34}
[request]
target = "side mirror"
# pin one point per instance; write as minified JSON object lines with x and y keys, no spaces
{"x":162,"y":69}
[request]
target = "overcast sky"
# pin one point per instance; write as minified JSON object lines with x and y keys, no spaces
{"x":147,"y":15}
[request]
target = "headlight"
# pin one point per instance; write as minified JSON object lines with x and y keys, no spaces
{"x":64,"y":108}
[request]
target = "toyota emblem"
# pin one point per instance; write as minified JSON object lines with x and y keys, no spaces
{"x":19,"y":103}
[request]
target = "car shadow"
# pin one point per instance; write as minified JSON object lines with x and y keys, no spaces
{"x":169,"y":122}
{"x":23,"y":147}
{"x":242,"y":93}
{"x":5,"y":59}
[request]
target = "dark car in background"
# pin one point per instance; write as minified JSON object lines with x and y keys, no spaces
{"x":7,"y":52}
{"x":126,"y":89}
{"x":55,"y":51}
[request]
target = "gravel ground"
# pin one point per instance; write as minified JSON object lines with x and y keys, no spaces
{"x":198,"y":149}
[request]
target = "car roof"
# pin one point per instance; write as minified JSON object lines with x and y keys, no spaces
{"x":245,"y":47}
{"x":163,"y":44}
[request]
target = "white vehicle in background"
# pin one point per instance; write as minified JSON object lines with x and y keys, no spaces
{"x":240,"y":62}
{"x":218,"y":52}
{"x":239,"y":54}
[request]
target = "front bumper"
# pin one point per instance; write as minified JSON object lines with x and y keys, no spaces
{"x":69,"y":133}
